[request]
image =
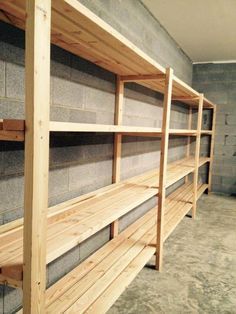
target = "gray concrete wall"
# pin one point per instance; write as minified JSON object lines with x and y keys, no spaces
{"x":82,"y":92}
{"x":218,"y":83}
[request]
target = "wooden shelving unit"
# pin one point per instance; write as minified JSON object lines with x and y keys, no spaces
{"x":28,"y":245}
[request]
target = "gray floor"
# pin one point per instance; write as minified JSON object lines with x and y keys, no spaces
{"x":199,"y":273}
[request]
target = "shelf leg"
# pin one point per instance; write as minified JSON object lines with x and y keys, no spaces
{"x":38,"y":24}
{"x":163,"y":167}
{"x":117,"y":144}
{"x":188,"y":139}
{"x":197,"y":154}
{"x":212,"y":149}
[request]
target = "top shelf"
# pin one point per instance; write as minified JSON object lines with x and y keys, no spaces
{"x":78,"y":30}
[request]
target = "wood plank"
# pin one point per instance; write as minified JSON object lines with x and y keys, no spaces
{"x":36,"y":153}
{"x":117,"y":144}
{"x":87,"y":127}
{"x":197,"y":155}
{"x":136,"y":78}
{"x":16,"y":136}
{"x":113,"y":264}
{"x":13,"y":125}
{"x":190,"y":113}
{"x":112,"y":293}
{"x":212,"y":149}
{"x":163,"y":166}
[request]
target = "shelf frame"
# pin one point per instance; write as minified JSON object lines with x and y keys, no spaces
{"x":136,"y":67}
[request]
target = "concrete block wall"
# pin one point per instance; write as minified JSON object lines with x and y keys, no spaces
{"x":79,"y":163}
{"x":218,"y":83}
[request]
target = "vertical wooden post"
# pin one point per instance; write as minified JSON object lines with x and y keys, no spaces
{"x":117,"y":142}
{"x":38,"y":24}
{"x":163,"y":166}
{"x":189,"y":137}
{"x":212,"y":149}
{"x":197,"y":154}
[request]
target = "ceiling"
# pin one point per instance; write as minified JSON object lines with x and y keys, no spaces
{"x":204,"y":29}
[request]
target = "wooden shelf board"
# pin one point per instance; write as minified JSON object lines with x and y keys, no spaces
{"x":73,"y":221}
{"x":13,"y":130}
{"x":95,"y":284}
{"x":78,"y":30}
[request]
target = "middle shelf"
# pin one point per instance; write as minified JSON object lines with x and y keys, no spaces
{"x":73,"y":221}
{"x":14,"y":130}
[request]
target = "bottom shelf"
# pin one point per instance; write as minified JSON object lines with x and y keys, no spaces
{"x":94,"y":285}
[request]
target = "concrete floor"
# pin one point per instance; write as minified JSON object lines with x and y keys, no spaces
{"x":199,"y":273}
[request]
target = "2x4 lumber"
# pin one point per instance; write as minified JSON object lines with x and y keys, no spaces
{"x":163,"y":166}
{"x":13,"y":125}
{"x":197,"y":156}
{"x":14,"y":136}
{"x":38,"y":23}
{"x":212,"y":149}
{"x":86,"y":127}
{"x":117,"y":144}
{"x":147,"y":77}
{"x":190,"y":113}
{"x":182,"y":98}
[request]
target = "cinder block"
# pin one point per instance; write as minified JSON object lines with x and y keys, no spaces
{"x":13,"y":214}
{"x":231,"y":118}
{"x":88,"y":74}
{"x":103,"y":168}
{"x":13,"y":158}
{"x":81,"y":175}
{"x":94,"y":243}
{"x":60,"y":63}
{"x":105,"y":117}
{"x":58,"y":181}
{"x":12,"y":299}
{"x":2,"y":78}
{"x":216,"y":179}
{"x":15,"y":81}
{"x":59,"y":113}
{"x":99,"y":100}
{"x":67,"y":93}
{"x":82,"y":116}
{"x":138,"y":121}
{"x":230,"y":140}
{"x":14,"y":199}
{"x":63,"y":265}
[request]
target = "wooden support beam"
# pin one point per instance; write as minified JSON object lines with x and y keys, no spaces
{"x":190,"y":114}
{"x":197,"y":155}
{"x":147,"y":77}
{"x":117,"y":143}
{"x":13,"y":125}
{"x":163,"y":167}
{"x":185,"y":98}
{"x":212,"y":149}
{"x":38,"y":24}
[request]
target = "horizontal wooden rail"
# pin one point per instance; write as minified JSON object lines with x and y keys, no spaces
{"x":147,"y":77}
